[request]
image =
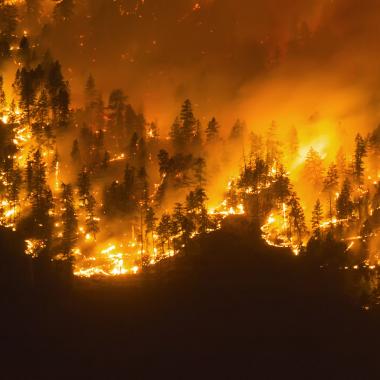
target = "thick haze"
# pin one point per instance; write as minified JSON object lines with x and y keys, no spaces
{"x":312,"y":64}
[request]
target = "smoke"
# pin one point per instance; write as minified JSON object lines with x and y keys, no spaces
{"x":261,"y":61}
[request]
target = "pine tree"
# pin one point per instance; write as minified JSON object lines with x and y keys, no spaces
{"x":176,"y":134}
{"x":133,"y":146}
{"x":69,"y":221}
{"x":24,"y":52}
{"x":164,"y":231}
{"x":84,"y":186}
{"x":182,"y":225}
{"x":360,"y":153}
{"x":38,"y":180}
{"x":344,"y":204}
{"x":188,"y":122}
{"x":13,"y":187}
{"x":197,"y":137}
{"x":297,"y":217}
{"x":199,"y":171}
{"x":116,"y":108}
{"x":129,"y":181}
{"x":317,"y":218}
{"x":25,"y":87}
{"x":212,"y":131}
{"x":330,"y":184}
{"x":93,"y":104}
{"x":41,"y":199}
{"x":313,"y":169}
{"x":238,"y":130}
{"x":150,"y":224}
{"x":143,"y":186}
{"x":163,"y":162}
{"x":29,"y":175}
{"x":92,"y":224}
{"x":63,"y":103}
{"x":41,"y":118}
{"x":177,"y":219}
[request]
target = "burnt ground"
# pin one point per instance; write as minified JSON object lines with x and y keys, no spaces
{"x":230,"y":308}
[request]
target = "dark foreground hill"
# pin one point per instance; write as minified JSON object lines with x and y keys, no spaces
{"x":232,"y":308}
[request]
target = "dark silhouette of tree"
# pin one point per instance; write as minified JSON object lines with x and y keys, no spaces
{"x":29,"y":175}
{"x":330,"y":185}
{"x":150,"y":225}
{"x":13,"y":182}
{"x":59,"y":96}
{"x":94,"y":107}
{"x":360,"y":153}
{"x":116,"y":117}
{"x":182,"y":226}
{"x":69,"y":221}
{"x":75,"y":152}
{"x":176,"y":134}
{"x":281,"y":186}
{"x":199,"y":171}
{"x":317,"y":218}
{"x":164,"y":232}
{"x":188,"y":121}
{"x":344,"y":204}
{"x":296,"y":217}
{"x":232,"y":196}
{"x":195,"y":207}
{"x":63,"y":102}
{"x":41,"y":127}
{"x":25,"y":87}
{"x":163,"y":162}
{"x":41,"y":200}
{"x":84,"y":186}
{"x":92,"y":223}
{"x":25,"y":52}
{"x":238,"y":130}
{"x":129,"y":180}
{"x":212,"y":131}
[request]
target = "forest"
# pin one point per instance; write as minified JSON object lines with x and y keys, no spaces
{"x":97,"y":185}
{"x":98,"y":188}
